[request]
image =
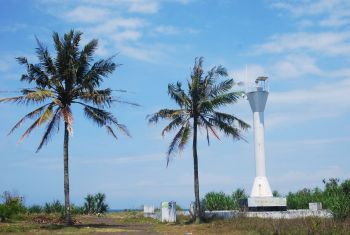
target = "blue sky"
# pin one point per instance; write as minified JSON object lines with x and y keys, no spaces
{"x":303,"y":46}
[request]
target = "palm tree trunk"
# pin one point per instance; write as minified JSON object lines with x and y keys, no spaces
{"x":68,"y":219}
{"x":195,"y":168}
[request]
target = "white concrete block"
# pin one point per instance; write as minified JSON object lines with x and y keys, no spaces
{"x":267,"y":201}
{"x":315,"y":206}
{"x":168,"y":210}
{"x":148,"y":209}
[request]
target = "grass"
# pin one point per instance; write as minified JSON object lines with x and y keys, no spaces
{"x":134,"y":222}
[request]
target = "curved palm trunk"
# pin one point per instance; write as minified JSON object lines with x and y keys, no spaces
{"x":68,"y":219}
{"x":195,"y":168}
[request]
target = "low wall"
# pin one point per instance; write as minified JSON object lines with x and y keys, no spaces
{"x":289,"y":214}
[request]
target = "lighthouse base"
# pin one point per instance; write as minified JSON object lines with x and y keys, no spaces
{"x":261,"y":187}
{"x":267,"y":204}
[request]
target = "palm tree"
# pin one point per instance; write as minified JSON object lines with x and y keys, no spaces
{"x":199,"y":108}
{"x":61,"y":82}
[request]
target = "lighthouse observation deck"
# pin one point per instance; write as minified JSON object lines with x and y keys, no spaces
{"x":260,"y":84}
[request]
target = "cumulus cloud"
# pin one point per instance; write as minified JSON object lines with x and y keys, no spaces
{"x":326,"y":13}
{"x":86,"y":14}
{"x":326,"y":43}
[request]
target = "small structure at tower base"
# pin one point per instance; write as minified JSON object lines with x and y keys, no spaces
{"x":267,"y":204}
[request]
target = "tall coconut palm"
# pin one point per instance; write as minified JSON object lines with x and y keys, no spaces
{"x":199,"y":109}
{"x":70,"y":78}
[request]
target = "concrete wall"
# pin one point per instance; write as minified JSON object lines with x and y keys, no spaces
{"x":289,"y":214}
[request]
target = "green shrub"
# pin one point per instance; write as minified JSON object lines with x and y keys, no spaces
{"x":11,"y":207}
{"x":218,"y":201}
{"x":76,"y":210}
{"x":335,"y":197}
{"x":54,"y":207}
{"x":95,"y":204}
{"x":35,"y":209}
{"x":238,"y":195}
{"x":89,"y":205}
{"x":101,"y":206}
{"x":178,"y":208}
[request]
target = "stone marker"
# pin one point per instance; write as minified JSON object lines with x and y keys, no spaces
{"x":168,"y":210}
{"x":148,"y":209}
{"x":315,"y":206}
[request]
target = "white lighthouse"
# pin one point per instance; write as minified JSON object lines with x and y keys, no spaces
{"x":257,"y":100}
{"x":261,"y":198}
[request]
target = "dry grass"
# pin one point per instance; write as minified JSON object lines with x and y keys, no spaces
{"x":134,"y":222}
{"x":260,"y":226}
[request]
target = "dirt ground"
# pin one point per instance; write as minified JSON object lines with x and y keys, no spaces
{"x":135,"y":223}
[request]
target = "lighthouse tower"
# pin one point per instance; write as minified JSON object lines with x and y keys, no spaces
{"x":261,"y":198}
{"x":257,"y":100}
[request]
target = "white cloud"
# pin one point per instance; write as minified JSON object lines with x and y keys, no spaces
{"x":248,"y":74}
{"x":327,"y":13}
{"x":113,"y":25}
{"x":125,"y":160}
{"x":87,"y":14}
{"x":312,"y":177}
{"x":297,"y":106}
{"x":166,"y":29}
{"x":128,"y":35}
{"x":13,"y":28}
{"x":148,"y":53}
{"x":140,"y":6}
{"x":331,"y":94}
{"x":295,"y":66}
{"x":327,"y":43}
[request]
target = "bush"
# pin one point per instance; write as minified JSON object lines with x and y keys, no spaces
{"x":54,"y":207}
{"x":335,"y":197}
{"x":12,"y":206}
{"x":76,"y":210}
{"x":218,"y":201}
{"x":238,"y":195}
{"x":95,"y":204}
{"x":178,"y":208}
{"x":35,"y":209}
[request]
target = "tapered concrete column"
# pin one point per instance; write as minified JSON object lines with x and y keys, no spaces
{"x":257,"y":100}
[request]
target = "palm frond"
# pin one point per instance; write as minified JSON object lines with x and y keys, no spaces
{"x":230,"y":119}
{"x":111,"y":132}
{"x":32,"y":114}
{"x":166,"y":114}
{"x":225,"y":99}
{"x":179,"y":95}
{"x":54,"y":122}
{"x":208,"y":127}
{"x":30,"y":96}
{"x":41,"y":120}
{"x":177,"y":122}
{"x":45,"y":58}
{"x":85,"y":58}
{"x":174,"y":145}
{"x":96,"y":97}
{"x":221,"y":88}
{"x":103,"y":118}
{"x":99,"y":69}
{"x":186,"y":133}
{"x":227,"y":129}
